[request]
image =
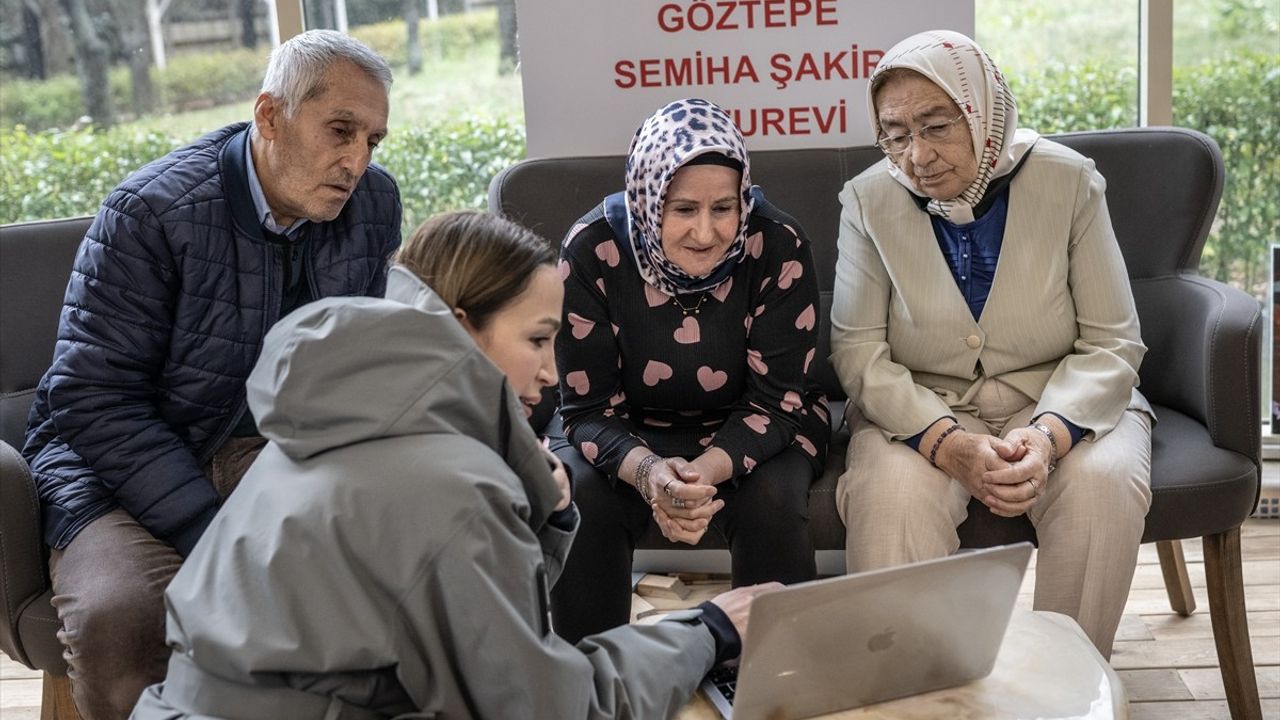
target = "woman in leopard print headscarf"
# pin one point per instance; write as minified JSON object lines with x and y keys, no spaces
{"x":689,"y":328}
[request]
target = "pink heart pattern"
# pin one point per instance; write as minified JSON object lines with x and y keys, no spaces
{"x":755,"y":245}
{"x":756,"y":362}
{"x":721,"y":291}
{"x":608,"y":252}
{"x":600,"y":286}
{"x":791,"y":401}
{"x":654,"y":296}
{"x":757,"y":422}
{"x":655,"y":372}
{"x":807,"y":445}
{"x":689,"y":332}
{"x":711,"y":379}
{"x":564,"y":270}
{"x":791,"y":271}
{"x":808,"y":358}
{"x":579,"y":381}
{"x":590,"y":451}
{"x":821,"y":411}
{"x":706,"y":441}
{"x":804,"y":321}
{"x":748,"y":462}
{"x":581,"y":327}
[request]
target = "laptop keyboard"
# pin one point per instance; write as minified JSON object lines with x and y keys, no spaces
{"x":726,"y":681}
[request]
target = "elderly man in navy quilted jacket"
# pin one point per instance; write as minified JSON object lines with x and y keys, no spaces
{"x":140,"y":428}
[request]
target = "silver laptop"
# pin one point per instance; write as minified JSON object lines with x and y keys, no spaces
{"x":844,"y":642}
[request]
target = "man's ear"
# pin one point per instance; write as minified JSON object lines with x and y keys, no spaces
{"x":267,"y":114}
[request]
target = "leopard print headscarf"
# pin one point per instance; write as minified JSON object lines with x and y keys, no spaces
{"x":666,"y":141}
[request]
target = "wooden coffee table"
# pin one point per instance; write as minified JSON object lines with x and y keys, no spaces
{"x":1046,"y":669}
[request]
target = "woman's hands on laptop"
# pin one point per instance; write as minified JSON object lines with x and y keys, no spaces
{"x":737,"y":603}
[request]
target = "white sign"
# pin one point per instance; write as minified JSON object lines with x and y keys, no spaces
{"x":791,"y":72}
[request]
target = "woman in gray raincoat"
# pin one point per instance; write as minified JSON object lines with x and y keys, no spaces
{"x":391,"y":550}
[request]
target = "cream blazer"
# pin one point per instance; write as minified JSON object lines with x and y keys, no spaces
{"x":1059,"y":325}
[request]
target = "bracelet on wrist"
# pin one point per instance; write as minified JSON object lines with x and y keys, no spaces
{"x":933,"y":451}
{"x":1053,"y":443}
{"x":641,"y":479}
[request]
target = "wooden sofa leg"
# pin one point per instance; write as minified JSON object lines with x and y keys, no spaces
{"x":1176,"y":581}
{"x":1225,"y":578}
{"x":55,"y":699}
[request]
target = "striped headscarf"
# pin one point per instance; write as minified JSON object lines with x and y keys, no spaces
{"x":956,"y":64}
{"x":668,"y":140}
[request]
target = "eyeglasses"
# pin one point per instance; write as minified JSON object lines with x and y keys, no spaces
{"x":895,"y":145}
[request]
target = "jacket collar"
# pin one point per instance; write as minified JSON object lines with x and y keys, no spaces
{"x":235,"y":183}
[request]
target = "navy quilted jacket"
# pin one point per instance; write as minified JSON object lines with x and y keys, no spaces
{"x":171,"y":293}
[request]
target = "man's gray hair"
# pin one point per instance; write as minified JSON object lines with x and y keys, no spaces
{"x":295,"y":72}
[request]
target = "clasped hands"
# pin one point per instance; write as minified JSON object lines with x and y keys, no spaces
{"x":1007,"y":474}
{"x":683,"y":499}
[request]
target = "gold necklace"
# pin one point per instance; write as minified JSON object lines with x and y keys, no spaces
{"x":697,"y":307}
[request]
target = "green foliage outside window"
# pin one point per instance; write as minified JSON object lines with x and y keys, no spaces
{"x":444,"y":159}
{"x":440,"y":166}
{"x":1233,"y":102}
{"x":213,"y":78}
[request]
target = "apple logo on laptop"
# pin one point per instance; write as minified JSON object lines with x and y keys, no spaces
{"x":881,"y":641}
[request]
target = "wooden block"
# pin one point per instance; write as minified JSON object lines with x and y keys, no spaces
{"x":662,"y":586}
{"x":639,"y":607}
{"x":693,"y":577}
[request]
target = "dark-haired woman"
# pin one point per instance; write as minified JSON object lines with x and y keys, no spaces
{"x":690,"y":325}
{"x":390,"y":551}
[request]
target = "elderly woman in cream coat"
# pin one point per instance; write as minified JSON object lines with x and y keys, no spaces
{"x":984,"y":328}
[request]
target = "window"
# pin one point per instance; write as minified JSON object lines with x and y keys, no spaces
{"x":1072,"y":66}
{"x":456,"y":116}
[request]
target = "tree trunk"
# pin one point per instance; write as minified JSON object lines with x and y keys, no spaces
{"x":155,"y":27}
{"x":131,"y":20}
{"x":32,"y":44}
{"x":93,"y":59}
{"x":414,"y":45}
{"x":248,"y":33}
{"x":53,"y":33}
{"x":508,"y":53}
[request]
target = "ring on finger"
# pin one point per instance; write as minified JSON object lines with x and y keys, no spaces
{"x":677,"y":502}
{"x":1035,"y":489}
{"x":667,"y":488}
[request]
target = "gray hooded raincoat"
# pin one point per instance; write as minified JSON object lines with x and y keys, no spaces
{"x":389,"y":552}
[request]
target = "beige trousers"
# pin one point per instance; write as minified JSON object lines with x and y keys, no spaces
{"x":897,"y":508}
